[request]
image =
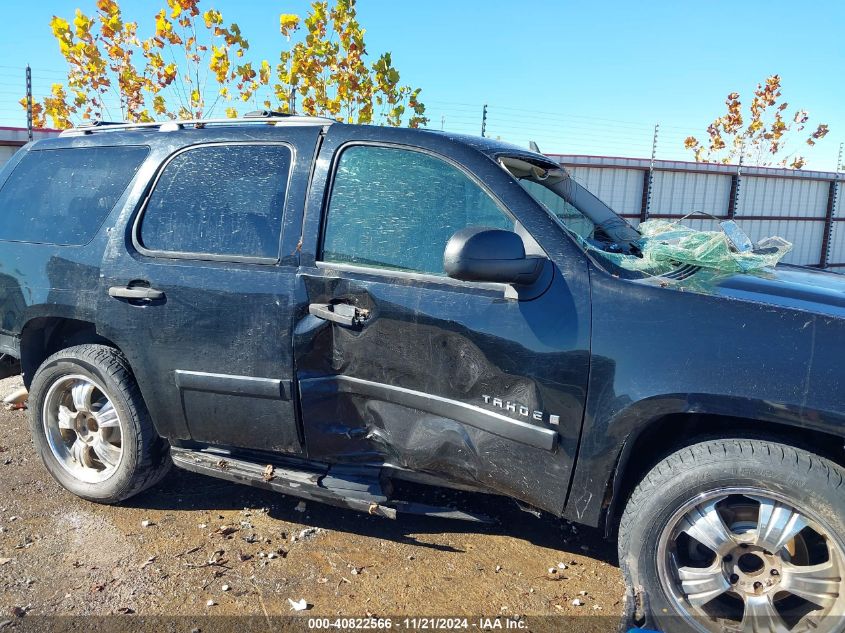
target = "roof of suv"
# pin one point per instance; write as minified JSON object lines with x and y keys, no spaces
{"x":259,"y":124}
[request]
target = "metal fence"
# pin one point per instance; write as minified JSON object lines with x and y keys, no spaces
{"x":799,"y":206}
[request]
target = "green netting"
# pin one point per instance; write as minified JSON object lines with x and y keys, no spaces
{"x":665,"y":245}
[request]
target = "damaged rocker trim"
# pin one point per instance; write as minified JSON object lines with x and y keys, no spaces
{"x":503,"y":426}
{"x":233,"y":385}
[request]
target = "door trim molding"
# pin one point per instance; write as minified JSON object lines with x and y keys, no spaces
{"x":471,"y":415}
{"x":233,"y":385}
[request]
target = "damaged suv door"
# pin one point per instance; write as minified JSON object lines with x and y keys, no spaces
{"x":401,"y":366}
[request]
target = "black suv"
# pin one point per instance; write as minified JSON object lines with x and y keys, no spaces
{"x":322,"y":309}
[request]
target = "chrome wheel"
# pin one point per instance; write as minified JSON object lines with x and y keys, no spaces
{"x":748,"y":560}
{"x":83,"y":428}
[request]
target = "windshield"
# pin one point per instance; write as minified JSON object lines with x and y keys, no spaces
{"x":574,"y":208}
{"x":656,"y":248}
{"x":559,"y":207}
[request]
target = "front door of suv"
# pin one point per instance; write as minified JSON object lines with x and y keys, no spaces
{"x":449,"y":378}
{"x":198,"y":293}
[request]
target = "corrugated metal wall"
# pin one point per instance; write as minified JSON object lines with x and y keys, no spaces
{"x":795,"y":205}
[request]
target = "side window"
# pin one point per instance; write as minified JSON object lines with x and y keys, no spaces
{"x":62,"y":196}
{"x":397,"y":208}
{"x":224,"y":200}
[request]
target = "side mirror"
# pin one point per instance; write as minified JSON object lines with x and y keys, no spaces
{"x":476,"y":253}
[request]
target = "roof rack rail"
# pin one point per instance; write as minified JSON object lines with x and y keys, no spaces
{"x":98,"y":123}
{"x":259,"y":116}
{"x":267,"y":114}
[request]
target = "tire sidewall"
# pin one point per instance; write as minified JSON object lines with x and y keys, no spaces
{"x":112,"y":489}
{"x":808,"y":491}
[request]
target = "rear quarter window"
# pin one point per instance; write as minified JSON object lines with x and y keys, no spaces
{"x":62,"y":196}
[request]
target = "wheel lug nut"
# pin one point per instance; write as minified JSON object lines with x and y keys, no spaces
{"x":775,"y":572}
{"x":758,"y":586}
{"x":734,"y":579}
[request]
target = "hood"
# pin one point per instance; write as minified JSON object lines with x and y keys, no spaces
{"x":797,"y":287}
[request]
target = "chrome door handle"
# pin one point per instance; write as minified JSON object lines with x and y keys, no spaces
{"x":340,"y":313}
{"x":137,"y":293}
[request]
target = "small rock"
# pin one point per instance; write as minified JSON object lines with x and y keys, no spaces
{"x":582,"y":593}
{"x":272,"y":555}
{"x":145,"y":523}
{"x":498,"y":568}
{"x":561,"y":565}
{"x":300,"y":507}
{"x":210,"y":603}
{"x":225,"y":588}
{"x":202,"y":526}
{"x":577,"y":603}
{"x":308,"y":533}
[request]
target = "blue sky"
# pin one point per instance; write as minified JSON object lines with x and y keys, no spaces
{"x":576,"y":77}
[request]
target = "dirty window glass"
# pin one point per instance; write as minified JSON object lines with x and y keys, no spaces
{"x":62,"y":196}
{"x":571,"y":217}
{"x":221,"y":200}
{"x":396,"y":208}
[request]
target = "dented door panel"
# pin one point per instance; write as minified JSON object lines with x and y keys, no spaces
{"x":444,"y":377}
{"x":447,"y":380}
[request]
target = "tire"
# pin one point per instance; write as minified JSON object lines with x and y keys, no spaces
{"x":91,"y":428}
{"x":723,"y":531}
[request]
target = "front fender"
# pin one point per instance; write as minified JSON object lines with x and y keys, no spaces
{"x":605,"y":455}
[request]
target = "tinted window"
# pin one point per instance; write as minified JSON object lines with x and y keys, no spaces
{"x":221,"y":200}
{"x":397,"y":208}
{"x":62,"y":196}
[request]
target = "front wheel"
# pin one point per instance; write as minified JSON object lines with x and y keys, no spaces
{"x":739,"y":535}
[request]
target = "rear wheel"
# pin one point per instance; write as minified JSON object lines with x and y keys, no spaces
{"x":739,"y":535}
{"x":90,"y":425}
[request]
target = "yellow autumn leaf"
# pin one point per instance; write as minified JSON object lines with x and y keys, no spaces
{"x":288,"y":23}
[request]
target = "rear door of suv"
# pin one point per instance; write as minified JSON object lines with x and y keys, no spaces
{"x":197,"y":288}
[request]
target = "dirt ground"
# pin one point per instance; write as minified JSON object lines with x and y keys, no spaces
{"x":197,"y":546}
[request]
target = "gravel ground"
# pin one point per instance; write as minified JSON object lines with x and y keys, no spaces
{"x":196,"y":546}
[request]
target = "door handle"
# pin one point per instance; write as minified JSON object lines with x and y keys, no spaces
{"x":340,"y":313}
{"x":136,"y":293}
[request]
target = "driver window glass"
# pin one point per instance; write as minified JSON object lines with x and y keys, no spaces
{"x":571,"y":217}
{"x":396,"y":208}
